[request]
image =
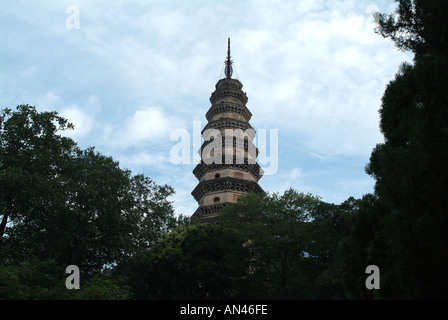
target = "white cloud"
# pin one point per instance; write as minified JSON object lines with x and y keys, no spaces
{"x":47,"y":101}
{"x":147,"y":125}
{"x":83,"y":122}
{"x":144,"y":159}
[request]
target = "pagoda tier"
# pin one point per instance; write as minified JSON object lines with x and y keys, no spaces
{"x":228,"y":167}
{"x":203,"y":169}
{"x":228,"y":108}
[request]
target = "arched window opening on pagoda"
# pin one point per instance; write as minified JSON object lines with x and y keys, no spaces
{"x":216,"y":200}
{"x":217,"y":176}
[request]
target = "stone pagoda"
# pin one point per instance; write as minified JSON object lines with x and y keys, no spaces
{"x":228,"y":167}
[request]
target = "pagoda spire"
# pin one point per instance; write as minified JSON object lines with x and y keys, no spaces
{"x":229,"y":70}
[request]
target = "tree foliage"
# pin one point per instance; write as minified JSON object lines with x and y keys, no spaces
{"x":193,"y":262}
{"x":75,"y":206}
{"x":37,"y":279}
{"x":265,"y":247}
{"x":417,"y":25}
{"x":402,"y":228}
{"x":292,"y":239}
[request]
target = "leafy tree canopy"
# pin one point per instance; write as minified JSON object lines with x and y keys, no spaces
{"x":75,"y":206}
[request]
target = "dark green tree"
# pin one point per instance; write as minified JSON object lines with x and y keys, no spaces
{"x":403,"y":230}
{"x":412,"y":177}
{"x":37,"y":279}
{"x":29,"y":146}
{"x":292,"y":240}
{"x":418,"y":26}
{"x":193,"y":262}
{"x":364,"y":246}
{"x":274,"y":230}
{"x":264,"y":247}
{"x":75,"y":206}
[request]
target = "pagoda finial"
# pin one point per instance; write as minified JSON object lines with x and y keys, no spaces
{"x":229,"y":69}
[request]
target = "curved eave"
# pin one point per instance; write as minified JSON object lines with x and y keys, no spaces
{"x":254,"y":169}
{"x":225,"y":184}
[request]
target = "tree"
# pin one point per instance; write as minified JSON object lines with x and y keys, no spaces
{"x":193,"y":262}
{"x":292,"y":240}
{"x":75,"y":206}
{"x":364,"y":246}
{"x":28,"y":146}
{"x":264,"y":247}
{"x":417,"y":25}
{"x":44,"y":279}
{"x":411,"y":173}
{"x":403,"y":229}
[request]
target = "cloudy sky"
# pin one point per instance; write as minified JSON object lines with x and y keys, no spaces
{"x":133,"y":73}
